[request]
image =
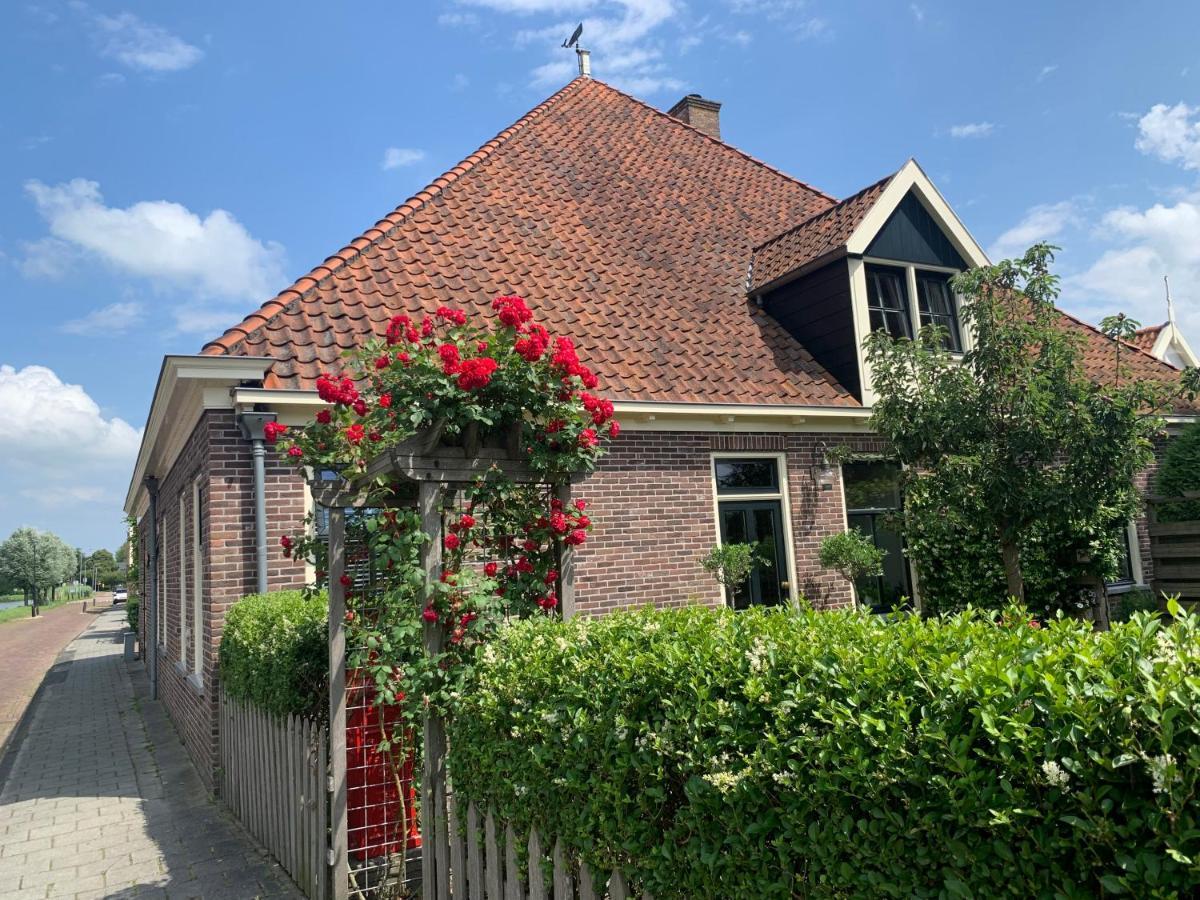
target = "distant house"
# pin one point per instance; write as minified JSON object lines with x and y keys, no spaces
{"x":722,"y":303}
{"x":1166,"y":342}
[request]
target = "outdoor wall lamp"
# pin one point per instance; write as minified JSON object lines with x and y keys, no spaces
{"x":822,"y":470}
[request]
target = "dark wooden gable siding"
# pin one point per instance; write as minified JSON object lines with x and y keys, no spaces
{"x":911,"y":235}
{"x":816,"y":310}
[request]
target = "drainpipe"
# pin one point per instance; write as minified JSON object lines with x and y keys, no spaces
{"x":152,"y":618}
{"x":253,"y":425}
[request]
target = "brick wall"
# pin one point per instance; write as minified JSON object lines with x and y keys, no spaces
{"x":654,"y":513}
{"x":220,"y":459}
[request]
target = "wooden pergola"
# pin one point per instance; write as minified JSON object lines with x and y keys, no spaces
{"x":434,"y":465}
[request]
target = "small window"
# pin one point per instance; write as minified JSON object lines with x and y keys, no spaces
{"x":747,"y":476}
{"x":936,"y":302}
{"x":887,"y":301}
{"x":1124,"y":574}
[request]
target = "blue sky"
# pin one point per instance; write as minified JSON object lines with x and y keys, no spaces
{"x":165,"y":167}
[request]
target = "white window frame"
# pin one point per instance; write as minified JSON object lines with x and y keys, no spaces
{"x":197,"y":584}
{"x":161,"y":590}
{"x":785,"y":508}
{"x":1135,"y":564}
{"x":182,"y":578}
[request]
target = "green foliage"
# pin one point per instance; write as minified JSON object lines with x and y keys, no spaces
{"x":1180,"y":472}
{"x":274,"y":652}
{"x":131,"y":612}
{"x":1015,"y":442}
{"x":1128,"y":604}
{"x":852,"y":554}
{"x":777,"y":754}
{"x":36,"y":561}
{"x":731,"y":564}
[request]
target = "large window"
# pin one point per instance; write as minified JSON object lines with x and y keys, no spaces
{"x":872,"y":498}
{"x":182,"y":575}
{"x":887,"y":301}
{"x":197,"y":583}
{"x":891,"y":308}
{"x":936,"y":303}
{"x":750,"y":510}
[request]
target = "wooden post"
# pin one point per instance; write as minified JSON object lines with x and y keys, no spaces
{"x":566,"y":560}
{"x":435,"y":843}
{"x":338,"y":860}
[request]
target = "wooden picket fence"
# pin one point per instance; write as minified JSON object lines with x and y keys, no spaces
{"x":481,"y":864}
{"x":274,"y":779}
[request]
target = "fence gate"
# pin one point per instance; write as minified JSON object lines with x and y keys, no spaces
{"x":1175,"y":549}
{"x":389,"y":828}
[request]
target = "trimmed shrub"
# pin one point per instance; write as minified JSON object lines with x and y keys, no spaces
{"x":274,"y":652}
{"x":131,"y":613}
{"x":771,"y":754}
{"x":1180,"y":472}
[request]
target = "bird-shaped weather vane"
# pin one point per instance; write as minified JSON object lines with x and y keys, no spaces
{"x":574,"y":38}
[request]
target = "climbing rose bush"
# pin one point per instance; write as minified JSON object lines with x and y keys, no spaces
{"x":502,"y":544}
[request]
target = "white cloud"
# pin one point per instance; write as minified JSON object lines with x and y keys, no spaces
{"x":116,"y":318}
{"x":1047,"y":71}
{"x":458,"y":19}
{"x":206,"y":321}
{"x":1044,"y":222}
{"x":1172,"y":133}
{"x":65,"y":462}
{"x":816,"y":27}
{"x":972,"y":130}
{"x":917,"y":11}
{"x":398,"y":157}
{"x":161,"y":241}
{"x":1150,"y":243}
{"x":625,"y":37}
{"x":143,"y":45}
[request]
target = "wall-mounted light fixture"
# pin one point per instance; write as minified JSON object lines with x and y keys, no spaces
{"x":823,"y":469}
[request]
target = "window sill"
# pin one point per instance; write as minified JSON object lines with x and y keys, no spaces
{"x":196,"y":682}
{"x":1125,"y":587}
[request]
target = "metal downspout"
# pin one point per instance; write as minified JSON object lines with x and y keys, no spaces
{"x":152,"y":618}
{"x":253,"y":425}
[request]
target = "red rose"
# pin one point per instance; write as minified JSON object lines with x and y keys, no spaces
{"x":451,"y":542}
{"x":476,"y":373}
{"x":426,"y":328}
{"x":576,"y":537}
{"x":385,"y":401}
{"x":375,"y":436}
{"x":614,"y":428}
{"x":534,"y":344}
{"x":587,"y":438}
{"x":285,"y":542}
{"x":558,"y":523}
{"x":490,"y":570}
{"x":403,"y":357}
{"x":272,"y":431}
{"x":323,"y":416}
{"x":360,"y":407}
{"x":550,"y":577}
{"x":345,"y":581}
{"x":355,"y":433}
{"x":467,"y":521}
{"x":295,"y":452}
{"x":512,"y":311}
{"x":396,"y":328}
{"x":457,"y":316}
{"x":383,"y":362}
{"x":429,"y":614}
{"x":581,"y":504}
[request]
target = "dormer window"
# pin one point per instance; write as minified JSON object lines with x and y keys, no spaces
{"x":936,"y":303}
{"x":889,"y":293}
{"x":887,"y":301}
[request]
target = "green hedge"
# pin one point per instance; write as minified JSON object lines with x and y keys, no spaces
{"x":1180,"y":472}
{"x":770,"y":754}
{"x":274,"y":652}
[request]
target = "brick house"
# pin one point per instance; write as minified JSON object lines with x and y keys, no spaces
{"x":721,"y":302}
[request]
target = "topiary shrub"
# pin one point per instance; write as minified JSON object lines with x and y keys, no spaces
{"x":131,"y":613}
{"x":274,"y":652}
{"x":779,"y":754}
{"x":1180,"y":472}
{"x":852,"y":555}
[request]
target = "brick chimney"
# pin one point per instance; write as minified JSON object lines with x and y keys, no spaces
{"x":699,"y":113}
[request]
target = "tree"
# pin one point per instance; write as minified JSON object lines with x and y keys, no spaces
{"x":104,"y":567}
{"x":1032,"y":461}
{"x":731,"y":564}
{"x":852,"y":554}
{"x":36,"y":561}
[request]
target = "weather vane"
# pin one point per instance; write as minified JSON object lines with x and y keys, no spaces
{"x":585,"y":58}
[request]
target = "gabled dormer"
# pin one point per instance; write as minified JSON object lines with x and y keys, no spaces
{"x":882,"y":258}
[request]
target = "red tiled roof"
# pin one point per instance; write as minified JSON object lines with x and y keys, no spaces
{"x":1099,"y":359}
{"x":827,"y":230}
{"x":1144,"y":338}
{"x":622,"y":227}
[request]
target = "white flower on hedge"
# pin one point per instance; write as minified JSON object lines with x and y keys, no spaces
{"x":724,"y":781}
{"x":1162,"y":771}
{"x":1055,"y":774}
{"x":757,"y":655}
{"x":562,"y":643}
{"x":1165,"y":650}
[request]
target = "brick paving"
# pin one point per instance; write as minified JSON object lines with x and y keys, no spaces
{"x":101,"y":800}
{"x":28,"y":648}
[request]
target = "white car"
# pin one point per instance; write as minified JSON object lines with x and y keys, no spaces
{"x":120,"y":595}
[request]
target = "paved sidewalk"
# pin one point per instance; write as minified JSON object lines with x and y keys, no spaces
{"x":28,"y":647}
{"x":102,"y":801}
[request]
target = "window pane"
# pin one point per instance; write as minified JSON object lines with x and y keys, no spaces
{"x":749,"y":476}
{"x":1124,"y":558}
{"x":887,"y":301}
{"x":766,"y":524}
{"x":937,"y":307}
{"x":871,"y":484}
{"x":735,"y":529}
